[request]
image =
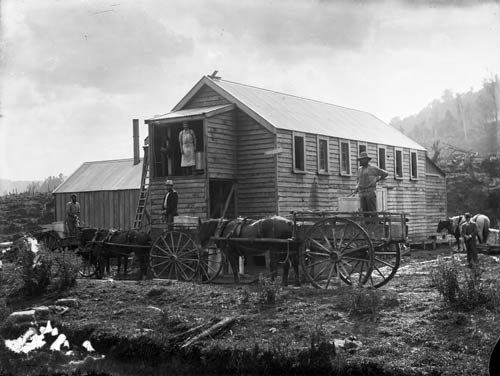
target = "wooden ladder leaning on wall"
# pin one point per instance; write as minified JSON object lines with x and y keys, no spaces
{"x":143,"y":195}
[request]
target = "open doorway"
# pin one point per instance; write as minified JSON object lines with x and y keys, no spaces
{"x":222,"y":195}
{"x":166,"y":152}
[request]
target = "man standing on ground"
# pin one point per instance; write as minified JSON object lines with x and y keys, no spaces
{"x":368,"y":177}
{"x":469,"y":231}
{"x":72,"y":214}
{"x":170,"y":204}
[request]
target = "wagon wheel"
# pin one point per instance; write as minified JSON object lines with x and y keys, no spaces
{"x":88,"y":266}
{"x":51,"y":241}
{"x":174,"y":255}
{"x":337,"y":246}
{"x":211,"y":263}
{"x":386,"y":259}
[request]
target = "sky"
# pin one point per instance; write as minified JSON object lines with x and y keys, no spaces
{"x":74,"y":73}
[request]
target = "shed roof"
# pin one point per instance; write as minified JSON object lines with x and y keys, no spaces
{"x":283,"y":111}
{"x":194,"y":112}
{"x":113,"y":175}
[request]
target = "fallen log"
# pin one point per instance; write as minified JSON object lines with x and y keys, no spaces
{"x":214,"y":329}
{"x":182,"y":336}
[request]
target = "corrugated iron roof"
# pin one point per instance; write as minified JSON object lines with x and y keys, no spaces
{"x":190,"y":112}
{"x":114,"y":175}
{"x":284,"y":111}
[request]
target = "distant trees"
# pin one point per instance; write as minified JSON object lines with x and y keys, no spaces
{"x":468,"y":121}
{"x":461,"y":133}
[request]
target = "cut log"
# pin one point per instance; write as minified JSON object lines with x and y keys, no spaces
{"x":214,"y":329}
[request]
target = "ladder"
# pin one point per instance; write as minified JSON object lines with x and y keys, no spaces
{"x":143,"y":194}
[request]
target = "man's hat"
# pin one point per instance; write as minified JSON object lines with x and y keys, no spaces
{"x":363,"y":155}
{"x":73,"y":195}
{"x":467,"y":215}
{"x":169,"y":182}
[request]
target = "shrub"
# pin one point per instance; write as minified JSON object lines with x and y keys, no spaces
{"x":445,"y":279}
{"x":37,"y":272}
{"x":269,"y":291}
{"x":462,"y":287}
{"x":364,"y":300}
{"x":65,"y":266}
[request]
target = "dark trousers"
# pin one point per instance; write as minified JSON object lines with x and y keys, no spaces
{"x":368,"y":201}
{"x":169,"y":218}
{"x":470,"y":246}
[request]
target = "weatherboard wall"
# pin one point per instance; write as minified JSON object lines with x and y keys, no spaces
{"x":101,"y":209}
{"x":256,"y":176}
{"x":312,"y":190}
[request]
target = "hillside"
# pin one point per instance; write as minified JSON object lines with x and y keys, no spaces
{"x":457,"y":122}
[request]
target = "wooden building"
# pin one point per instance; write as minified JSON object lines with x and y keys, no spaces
{"x":261,"y":152}
{"x":108,"y":192}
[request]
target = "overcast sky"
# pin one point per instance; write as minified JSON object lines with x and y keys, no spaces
{"x":76,"y":72}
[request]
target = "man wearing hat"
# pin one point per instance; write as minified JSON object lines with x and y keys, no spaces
{"x":368,"y":177}
{"x":72,"y":214}
{"x":469,"y":232}
{"x":170,"y":203}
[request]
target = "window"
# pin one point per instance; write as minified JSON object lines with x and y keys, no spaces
{"x":361,"y":147}
{"x":322,"y":155}
{"x":298,"y":153}
{"x":413,"y":165}
{"x":381,"y":157}
{"x":398,"y":166}
{"x":345,"y":158}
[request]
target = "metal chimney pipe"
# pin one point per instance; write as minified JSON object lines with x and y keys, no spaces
{"x":137,"y":157}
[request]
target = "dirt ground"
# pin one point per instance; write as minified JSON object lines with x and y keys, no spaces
{"x":403,"y":328}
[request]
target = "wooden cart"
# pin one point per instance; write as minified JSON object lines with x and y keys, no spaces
{"x":359,"y":248}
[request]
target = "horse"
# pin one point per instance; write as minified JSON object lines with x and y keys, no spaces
{"x":454,"y":227}
{"x":483,"y":227}
{"x":274,"y":227}
{"x":113,"y":243}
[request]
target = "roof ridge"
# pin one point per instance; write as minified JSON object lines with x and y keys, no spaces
{"x":289,"y":95}
{"x":111,"y":160}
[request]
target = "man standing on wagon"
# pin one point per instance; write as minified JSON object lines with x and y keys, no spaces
{"x":72,"y":214}
{"x":368,"y":177}
{"x":170,"y":204}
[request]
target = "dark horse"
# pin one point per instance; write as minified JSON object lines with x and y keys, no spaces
{"x":270,"y":228}
{"x":108,"y":244}
{"x":454,"y":227}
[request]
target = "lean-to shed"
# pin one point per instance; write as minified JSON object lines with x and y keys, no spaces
{"x":108,"y":192}
{"x":260,"y":152}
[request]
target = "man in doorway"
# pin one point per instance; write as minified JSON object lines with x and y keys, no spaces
{"x":469,"y":231}
{"x":170,"y":204}
{"x":368,"y":177}
{"x":73,"y":214}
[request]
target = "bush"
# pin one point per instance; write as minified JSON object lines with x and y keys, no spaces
{"x":65,"y":266}
{"x":364,"y":300}
{"x":269,"y":291}
{"x":462,"y":287}
{"x":445,"y":279}
{"x":35,"y":273}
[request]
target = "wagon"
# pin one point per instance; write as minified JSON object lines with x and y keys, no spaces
{"x":56,"y":235}
{"x":359,"y":248}
{"x":492,"y":245}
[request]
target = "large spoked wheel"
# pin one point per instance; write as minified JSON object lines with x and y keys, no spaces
{"x":337,"y":246}
{"x":88,"y":266}
{"x":174,"y":255}
{"x":51,"y":241}
{"x":211,"y":263}
{"x":386,"y":259}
